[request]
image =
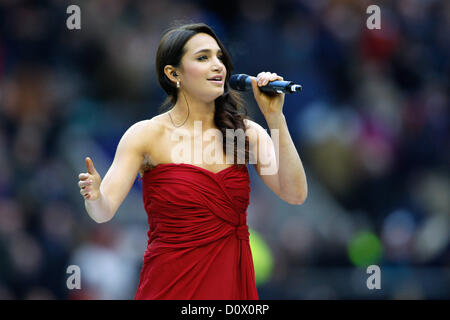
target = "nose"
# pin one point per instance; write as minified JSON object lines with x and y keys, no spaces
{"x":218,"y":65}
{"x":218,"y":68}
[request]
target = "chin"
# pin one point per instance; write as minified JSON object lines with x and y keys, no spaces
{"x":212,"y":98}
{"x":221,"y":92}
{"x":218,"y":96}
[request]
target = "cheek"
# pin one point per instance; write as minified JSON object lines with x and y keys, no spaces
{"x":196,"y":72}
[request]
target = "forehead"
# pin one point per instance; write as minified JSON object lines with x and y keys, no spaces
{"x":201,"y":41}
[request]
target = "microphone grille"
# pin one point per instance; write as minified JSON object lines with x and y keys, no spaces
{"x":237,"y":81}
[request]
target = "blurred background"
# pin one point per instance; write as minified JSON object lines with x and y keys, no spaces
{"x":371,"y":127}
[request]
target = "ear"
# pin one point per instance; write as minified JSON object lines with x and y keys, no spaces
{"x":169,"y":72}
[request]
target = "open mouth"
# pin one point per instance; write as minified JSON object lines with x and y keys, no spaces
{"x":216,"y":79}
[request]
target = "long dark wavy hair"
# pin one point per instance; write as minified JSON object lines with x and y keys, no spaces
{"x":230,"y":111}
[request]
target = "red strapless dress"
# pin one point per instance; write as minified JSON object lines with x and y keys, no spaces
{"x":198,"y":239}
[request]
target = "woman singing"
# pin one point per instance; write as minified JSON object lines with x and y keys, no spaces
{"x":198,"y":239}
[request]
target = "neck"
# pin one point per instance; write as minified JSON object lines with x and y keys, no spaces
{"x":198,"y":111}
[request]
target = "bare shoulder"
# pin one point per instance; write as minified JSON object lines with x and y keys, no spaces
{"x":153,"y":133}
{"x":149,"y":126}
{"x":141,"y":134}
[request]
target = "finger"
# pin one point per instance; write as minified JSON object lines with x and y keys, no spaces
{"x":267,"y":77}
{"x":254,"y":83}
{"x":260,"y":77}
{"x":254,"y":86}
{"x":274,"y":76}
{"x":83,"y":176}
{"x":277,"y":77}
{"x":266,"y":80}
{"x":86,"y":195}
{"x":270,"y":79}
{"x":85,"y":191}
{"x":83,"y":184}
{"x":90,"y":165}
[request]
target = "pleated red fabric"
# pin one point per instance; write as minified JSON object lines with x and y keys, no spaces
{"x":198,"y":240}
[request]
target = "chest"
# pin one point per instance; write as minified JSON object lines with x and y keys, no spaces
{"x":203,"y":149}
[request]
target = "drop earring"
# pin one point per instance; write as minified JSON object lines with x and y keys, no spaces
{"x":178,"y":83}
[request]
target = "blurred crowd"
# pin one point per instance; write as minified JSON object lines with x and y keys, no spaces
{"x":371,"y":127}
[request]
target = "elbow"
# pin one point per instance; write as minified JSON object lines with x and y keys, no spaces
{"x":298,"y":199}
{"x":102,"y":219}
{"x":297,"y":195}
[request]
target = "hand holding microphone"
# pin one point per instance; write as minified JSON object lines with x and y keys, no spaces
{"x":271,"y":83}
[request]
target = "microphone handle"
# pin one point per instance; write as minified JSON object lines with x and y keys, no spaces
{"x":277,"y":86}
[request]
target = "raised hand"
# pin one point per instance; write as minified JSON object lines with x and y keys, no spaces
{"x":90,"y":182}
{"x":270,"y":105}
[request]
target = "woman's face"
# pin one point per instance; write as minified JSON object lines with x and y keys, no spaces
{"x":202,"y":62}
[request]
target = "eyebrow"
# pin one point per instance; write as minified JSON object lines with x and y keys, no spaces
{"x":208,"y":50}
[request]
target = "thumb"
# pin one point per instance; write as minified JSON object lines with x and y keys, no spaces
{"x":90,"y":166}
{"x":254,"y":86}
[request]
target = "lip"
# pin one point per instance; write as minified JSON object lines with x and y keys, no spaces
{"x":216,"y":76}
{"x":216,"y":82}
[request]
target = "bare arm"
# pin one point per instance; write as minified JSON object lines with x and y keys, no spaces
{"x":104,"y":197}
{"x":291,"y":174}
{"x":285,"y":175}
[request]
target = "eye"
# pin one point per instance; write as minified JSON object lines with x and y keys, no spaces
{"x":205,"y":57}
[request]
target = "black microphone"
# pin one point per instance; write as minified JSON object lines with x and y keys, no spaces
{"x":242,"y":82}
